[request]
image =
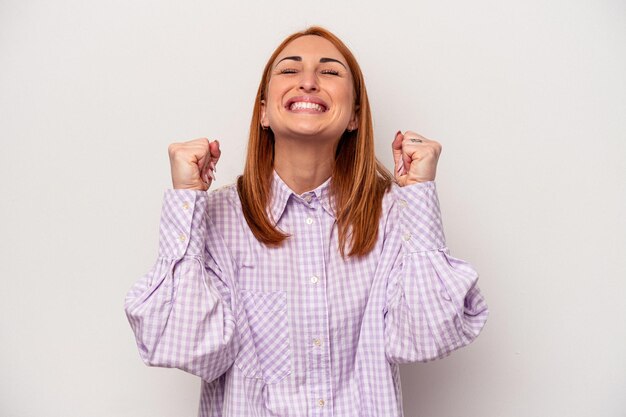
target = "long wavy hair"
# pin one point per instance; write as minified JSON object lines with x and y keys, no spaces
{"x":359,"y":181}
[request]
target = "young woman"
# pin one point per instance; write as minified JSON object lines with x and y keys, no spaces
{"x":299,"y":290}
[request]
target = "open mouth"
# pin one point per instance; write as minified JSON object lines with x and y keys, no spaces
{"x":303,"y":105}
{"x":306,"y":105}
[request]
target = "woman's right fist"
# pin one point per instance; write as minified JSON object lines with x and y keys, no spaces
{"x":193,"y":163}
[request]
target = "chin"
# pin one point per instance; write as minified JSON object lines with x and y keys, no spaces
{"x":314,"y":130}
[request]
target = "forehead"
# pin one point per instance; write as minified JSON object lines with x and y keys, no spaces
{"x":311,"y":46}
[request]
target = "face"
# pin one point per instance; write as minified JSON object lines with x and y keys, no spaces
{"x":310,"y":91}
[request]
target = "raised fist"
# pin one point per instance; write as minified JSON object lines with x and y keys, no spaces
{"x":193,"y":163}
{"x":415,"y":158}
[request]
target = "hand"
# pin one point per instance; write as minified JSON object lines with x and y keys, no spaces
{"x":415,"y":158}
{"x":193,"y":163}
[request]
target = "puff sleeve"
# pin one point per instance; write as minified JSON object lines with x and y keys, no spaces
{"x":433,"y":305}
{"x":181,"y":311}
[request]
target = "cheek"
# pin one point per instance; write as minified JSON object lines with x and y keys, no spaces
{"x":345,"y":93}
{"x":274,"y":95}
{"x":345,"y":96}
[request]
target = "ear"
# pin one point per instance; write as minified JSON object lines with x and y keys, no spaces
{"x":353,"y":124}
{"x":264,"y":122}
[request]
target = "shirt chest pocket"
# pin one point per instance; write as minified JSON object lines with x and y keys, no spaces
{"x":265,"y":350}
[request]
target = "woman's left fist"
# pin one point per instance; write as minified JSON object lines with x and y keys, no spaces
{"x":415,"y":158}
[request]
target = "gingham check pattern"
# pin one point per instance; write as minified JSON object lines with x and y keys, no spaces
{"x":296,"y":330}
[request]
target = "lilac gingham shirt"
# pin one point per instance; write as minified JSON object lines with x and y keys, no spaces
{"x":296,"y":330}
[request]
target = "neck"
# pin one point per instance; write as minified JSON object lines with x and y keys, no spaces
{"x":303,"y":165}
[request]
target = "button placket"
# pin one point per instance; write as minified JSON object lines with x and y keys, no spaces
{"x":313,"y":223}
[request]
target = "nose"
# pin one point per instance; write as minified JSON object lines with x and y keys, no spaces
{"x":308,"y":81}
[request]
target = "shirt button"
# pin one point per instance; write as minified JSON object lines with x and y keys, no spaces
{"x":309,"y":220}
{"x":182,"y":237}
{"x":321,"y":402}
{"x":406,"y":236}
{"x":308,"y":198}
{"x":314,"y":279}
{"x":317,"y":342}
{"x":186,"y":205}
{"x":403,"y":203}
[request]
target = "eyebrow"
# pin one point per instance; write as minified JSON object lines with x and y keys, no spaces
{"x":322,"y":60}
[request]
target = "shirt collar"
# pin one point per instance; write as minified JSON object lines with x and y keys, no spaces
{"x":281,"y":193}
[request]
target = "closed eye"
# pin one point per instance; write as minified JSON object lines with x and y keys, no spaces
{"x":293,"y":71}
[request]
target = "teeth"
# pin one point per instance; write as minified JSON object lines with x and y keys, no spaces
{"x":306,"y":105}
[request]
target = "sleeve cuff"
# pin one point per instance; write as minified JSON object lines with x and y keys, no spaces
{"x":183,"y":226}
{"x":421,"y":228}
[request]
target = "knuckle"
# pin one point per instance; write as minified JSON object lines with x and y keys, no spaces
{"x":173,"y":148}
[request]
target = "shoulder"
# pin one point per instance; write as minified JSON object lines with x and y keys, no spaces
{"x":391,"y":199}
{"x":415,"y":200}
{"x":224,"y":200}
{"x":226,"y":219}
{"x":224,"y":208}
{"x":402,"y":196}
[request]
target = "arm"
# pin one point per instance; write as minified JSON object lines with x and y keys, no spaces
{"x":433,"y":305}
{"x":180,"y":311}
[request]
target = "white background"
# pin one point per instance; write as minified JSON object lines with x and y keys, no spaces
{"x":528,"y":99}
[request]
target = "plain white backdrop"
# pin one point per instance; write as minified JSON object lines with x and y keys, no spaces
{"x":527,"y":98}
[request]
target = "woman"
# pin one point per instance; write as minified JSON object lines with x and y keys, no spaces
{"x":300,"y":289}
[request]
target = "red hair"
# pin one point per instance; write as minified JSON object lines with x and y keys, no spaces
{"x":359,"y":181}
